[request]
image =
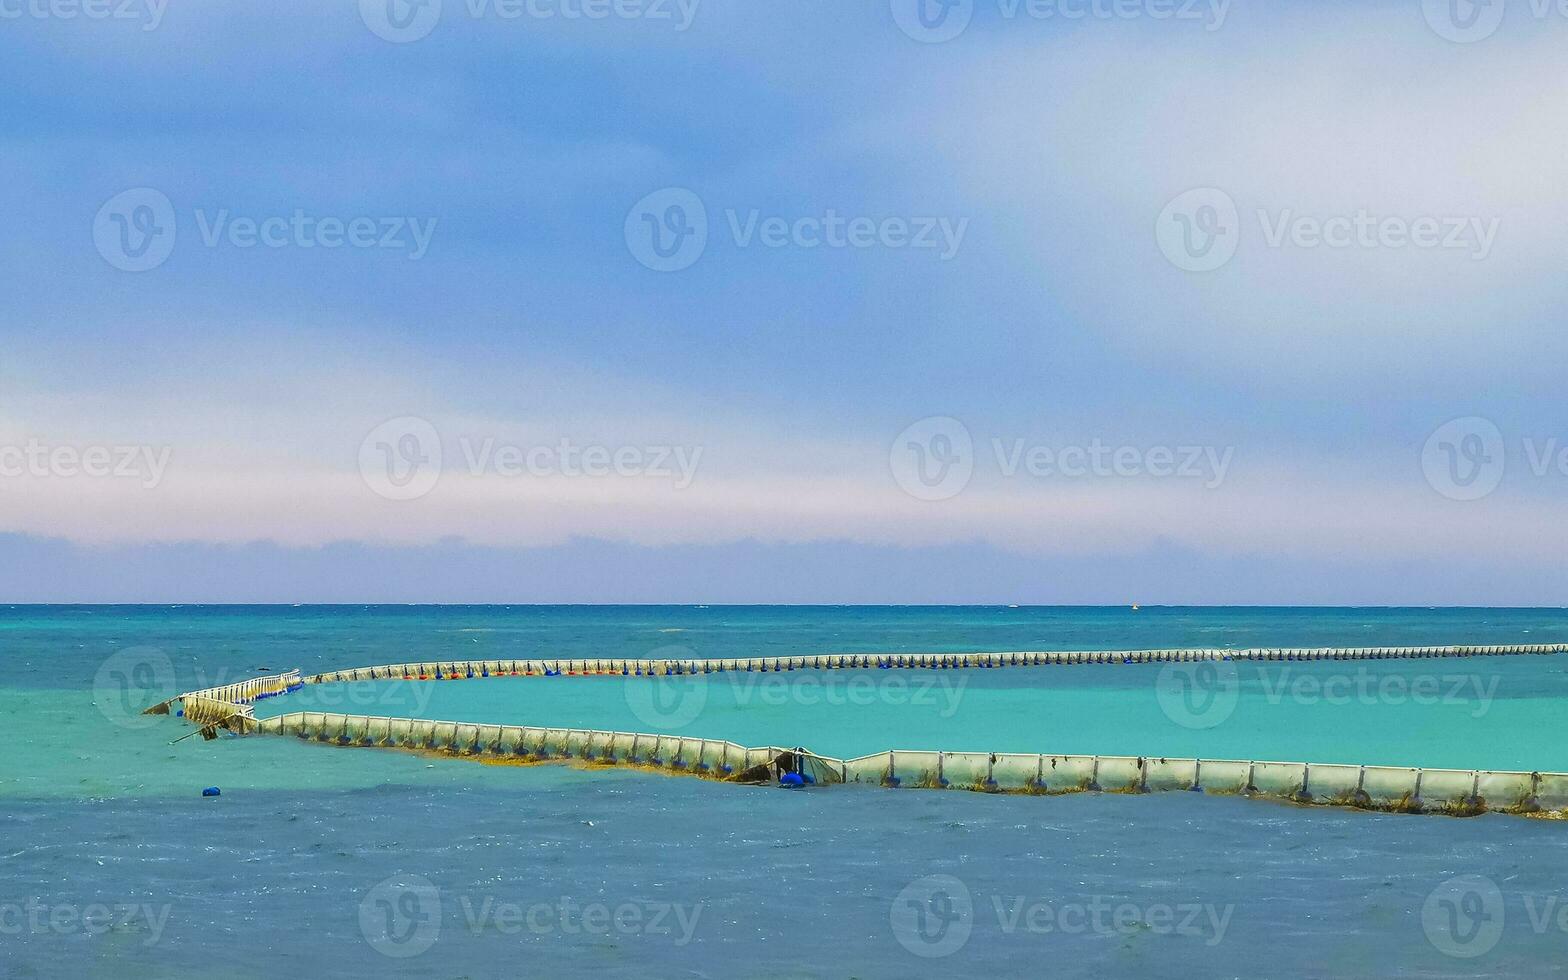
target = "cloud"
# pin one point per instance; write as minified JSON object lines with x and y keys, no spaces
{"x":254,"y":453}
{"x":1082,"y":138}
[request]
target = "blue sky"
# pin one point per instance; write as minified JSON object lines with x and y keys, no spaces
{"x":908,"y":239}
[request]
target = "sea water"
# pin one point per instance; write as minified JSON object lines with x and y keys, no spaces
{"x":320,"y":860}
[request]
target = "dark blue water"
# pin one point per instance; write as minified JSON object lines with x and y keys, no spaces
{"x":322,"y":861}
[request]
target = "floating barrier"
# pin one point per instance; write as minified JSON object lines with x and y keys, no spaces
{"x":1396,"y":789}
{"x":701,"y":756}
{"x":578,"y":667}
{"x":1389,"y":788}
{"x":240,"y":692}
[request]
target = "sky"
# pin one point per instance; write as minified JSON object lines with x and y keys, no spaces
{"x":1063,"y":301}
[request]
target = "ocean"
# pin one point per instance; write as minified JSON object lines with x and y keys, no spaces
{"x":319,"y":860}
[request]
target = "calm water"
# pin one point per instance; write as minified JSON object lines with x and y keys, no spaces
{"x":320,"y":860}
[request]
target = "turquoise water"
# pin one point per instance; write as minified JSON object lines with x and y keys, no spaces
{"x":291,"y":864}
{"x":1480,"y":713}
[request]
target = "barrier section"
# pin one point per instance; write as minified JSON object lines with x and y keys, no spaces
{"x":966,"y":770}
{"x":1452,"y":791}
{"x":1448,"y":789}
{"x":1067,"y":773}
{"x":1119,"y":773}
{"x":915,"y":770}
{"x":1223,"y":776}
{"x":1459,"y":792}
{"x":1166,"y":775}
{"x":874,"y":770}
{"x":586,"y":667}
{"x":1281,"y":779}
{"x":1333,"y":784}
{"x":1511,"y":792}
{"x":1013,"y":772}
{"x":1551,"y":791}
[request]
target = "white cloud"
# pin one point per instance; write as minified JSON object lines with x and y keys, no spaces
{"x":279,"y":461}
{"x":1079,"y":140}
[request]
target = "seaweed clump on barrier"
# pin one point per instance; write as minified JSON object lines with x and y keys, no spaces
{"x":1463,"y":806}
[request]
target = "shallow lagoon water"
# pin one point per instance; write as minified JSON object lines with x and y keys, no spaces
{"x":287,"y":872}
{"x":1474,"y":713}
